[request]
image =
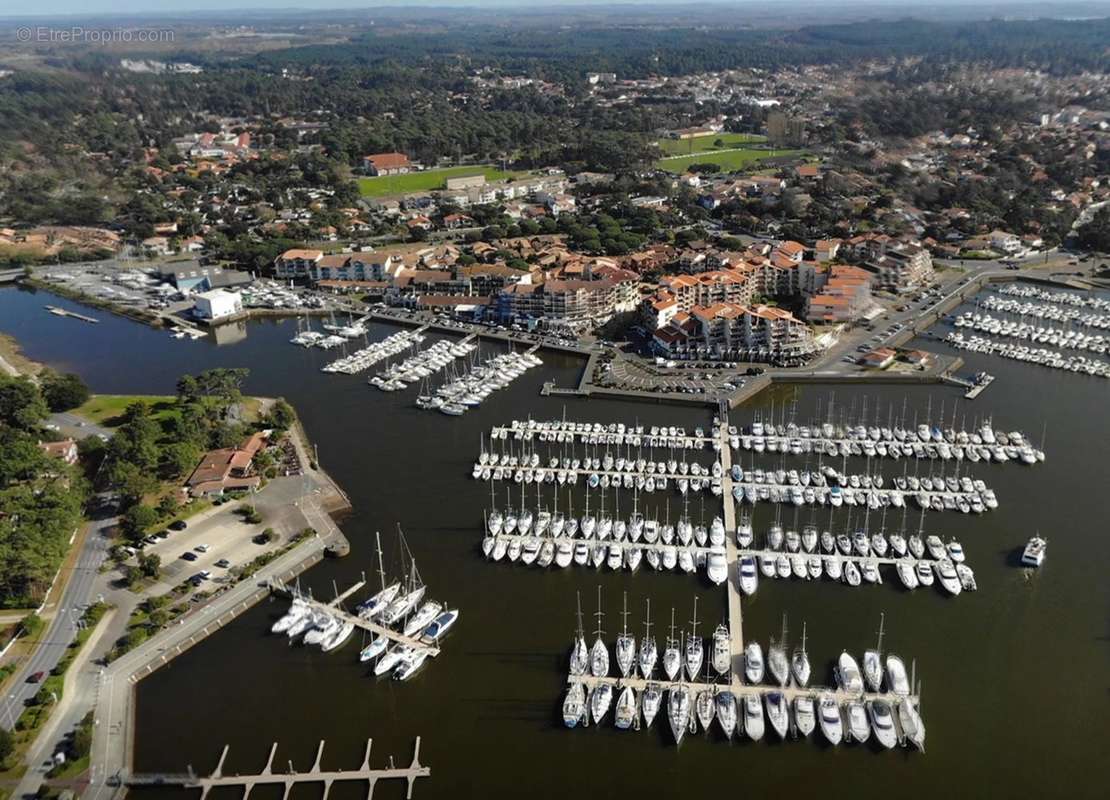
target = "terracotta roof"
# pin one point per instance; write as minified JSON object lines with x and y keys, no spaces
{"x":388,"y":160}
{"x":309,"y":255}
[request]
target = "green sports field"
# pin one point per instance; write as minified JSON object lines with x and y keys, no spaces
{"x":728,"y":160}
{"x":701,"y":144}
{"x":426,"y":180}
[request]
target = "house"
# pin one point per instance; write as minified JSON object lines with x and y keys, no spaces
{"x":826,"y":249}
{"x":1005,"y":242}
{"x":157,"y":245}
{"x":456,"y":221}
{"x":919,"y":358}
{"x":386,"y":164}
{"x":65,"y":450}
{"x":881,"y":358}
{"x":227,"y":468}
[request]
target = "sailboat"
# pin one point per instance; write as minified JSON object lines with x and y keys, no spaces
{"x":726,"y":712}
{"x":776,"y":658}
{"x":694,"y":647}
{"x":651,"y":699}
{"x":574,"y":706}
{"x":648,"y":652}
{"x":705,"y":706}
{"x":579,"y":655}
{"x":672,"y":656}
{"x":872,"y":661}
{"x":678,"y":711}
{"x":777,"y":712}
{"x":626,"y":709}
{"x":599,"y":653}
{"x":799,"y":663}
{"x":626,"y":645}
{"x":372,"y":607}
{"x":600,"y":700}
{"x":753,"y":717}
{"x":412,"y":593}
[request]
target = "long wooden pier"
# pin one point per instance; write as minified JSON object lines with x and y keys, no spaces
{"x":732,"y":582}
{"x":333,"y":609}
{"x":288,"y":780}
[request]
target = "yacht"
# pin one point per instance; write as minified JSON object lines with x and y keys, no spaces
{"x":805,"y":715}
{"x":722,"y":655}
{"x":600,"y":700}
{"x":574,"y":707}
{"x":906,"y":574}
{"x":422,"y":618}
{"x":896,"y":676}
{"x":716,"y":566}
{"x":753,"y":717}
{"x":651,"y":700}
{"x":848,"y":674}
{"x":777,"y":663}
{"x":935,"y":547}
{"x":882,"y":722}
{"x":626,"y":709}
{"x":297,"y":610}
{"x":374,"y":649}
{"x":858,"y":729}
{"x":1034,"y":552}
{"x":726,"y":713}
{"x":440,"y":626}
{"x":924,"y":573}
{"x":410,"y":664}
{"x":678,"y":711}
{"x":749,"y":578}
{"x":390,"y":660}
{"x":949,"y":578}
{"x":753,"y":662}
{"x":873,"y":662}
{"x":829,"y":718}
{"x":339,"y":637}
{"x":777,"y":712}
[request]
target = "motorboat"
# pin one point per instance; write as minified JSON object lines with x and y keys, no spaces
{"x":1034,"y":552}
{"x":858,"y":728}
{"x":753,"y":717}
{"x":726,"y":713}
{"x":297,"y":610}
{"x":882,"y":722}
{"x":832,"y":726}
{"x":924,"y":573}
{"x":848,"y":674}
{"x":777,"y":712}
{"x":722,"y":654}
{"x":338,"y":637}
{"x":753,"y":662}
{"x":749,"y":578}
{"x":374,"y":649}
{"x":906,"y":574}
{"x":716,"y":566}
{"x":410,"y":664}
{"x":440,"y":626}
{"x":805,"y":714}
{"x":391,"y":659}
{"x":896,"y":675}
{"x":420,"y":620}
{"x":949,"y":578}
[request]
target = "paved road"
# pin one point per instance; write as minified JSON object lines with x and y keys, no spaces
{"x":79,"y":588}
{"x":78,"y":427}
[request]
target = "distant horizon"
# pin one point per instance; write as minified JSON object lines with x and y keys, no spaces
{"x":194,"y":8}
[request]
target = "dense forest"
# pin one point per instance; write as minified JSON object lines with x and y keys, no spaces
{"x":41,"y":498}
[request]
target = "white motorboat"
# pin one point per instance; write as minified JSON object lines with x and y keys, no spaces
{"x":422,"y":618}
{"x":948,"y":577}
{"x":374,"y":649}
{"x":440,"y":626}
{"x":722,"y":655}
{"x":390,"y":660}
{"x":858,"y":728}
{"x":906,"y":574}
{"x":297,"y":610}
{"x":339,"y":637}
{"x":410,"y":664}
{"x":753,"y":717}
{"x":753,"y":662}
{"x":749,"y":578}
{"x":777,"y":712}
{"x":896,"y":675}
{"x":805,"y":714}
{"x":882,"y":722}
{"x":716,"y":566}
{"x":1034,"y":552}
{"x":924,"y":573}
{"x":832,"y":726}
{"x":848,"y":674}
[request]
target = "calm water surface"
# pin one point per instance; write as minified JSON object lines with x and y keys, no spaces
{"x":1015,"y":675}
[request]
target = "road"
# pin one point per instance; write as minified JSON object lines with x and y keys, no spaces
{"x":80,"y":585}
{"x":78,"y":427}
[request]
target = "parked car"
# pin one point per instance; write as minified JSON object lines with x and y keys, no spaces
{"x":179,"y":525}
{"x":201,"y":548}
{"x":223,"y":563}
{"x":36,"y":677}
{"x":189,"y":556}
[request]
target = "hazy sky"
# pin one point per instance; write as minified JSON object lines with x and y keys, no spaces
{"x":10,"y":8}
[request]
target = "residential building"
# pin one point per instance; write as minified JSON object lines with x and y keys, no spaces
{"x":845,"y":296}
{"x":65,"y":450}
{"x":734,"y":332}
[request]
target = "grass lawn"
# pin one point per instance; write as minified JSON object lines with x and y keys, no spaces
{"x":728,"y":161}
{"x":107,"y":409}
{"x":426,"y":180}
{"x":701,"y":144}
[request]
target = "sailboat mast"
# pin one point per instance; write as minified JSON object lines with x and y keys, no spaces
{"x":381,"y":564}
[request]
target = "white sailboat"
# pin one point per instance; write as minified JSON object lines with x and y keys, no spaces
{"x":678,"y":711}
{"x":574,"y":706}
{"x":579,"y":654}
{"x":626,"y":645}
{"x":695,"y":648}
{"x":649,"y":654}
{"x":799,"y":663}
{"x":599,"y":653}
{"x":872,"y":661}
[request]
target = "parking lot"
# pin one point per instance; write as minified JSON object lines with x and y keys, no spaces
{"x":622,"y":373}
{"x":208,"y":542}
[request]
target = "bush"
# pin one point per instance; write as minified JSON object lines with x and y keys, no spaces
{"x":63,"y":392}
{"x":137,"y":520}
{"x":32,"y":625}
{"x":7,"y":745}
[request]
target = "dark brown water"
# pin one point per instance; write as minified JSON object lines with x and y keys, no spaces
{"x":1015,"y":675}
